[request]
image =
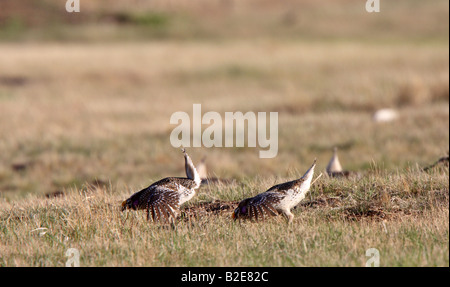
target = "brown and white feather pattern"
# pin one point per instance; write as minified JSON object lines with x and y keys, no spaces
{"x":163,"y":199}
{"x":278,"y":199}
{"x":334,"y":166}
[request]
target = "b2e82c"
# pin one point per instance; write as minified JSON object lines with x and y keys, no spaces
{"x":246,"y":276}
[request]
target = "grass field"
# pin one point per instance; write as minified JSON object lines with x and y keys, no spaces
{"x":403,"y":215}
{"x":85,"y":109}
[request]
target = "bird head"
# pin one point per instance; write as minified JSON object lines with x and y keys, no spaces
{"x":125,"y":205}
{"x":129,"y":204}
{"x":240,"y":211}
{"x":234,"y":215}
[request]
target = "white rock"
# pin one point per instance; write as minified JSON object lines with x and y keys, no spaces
{"x":385,"y":115}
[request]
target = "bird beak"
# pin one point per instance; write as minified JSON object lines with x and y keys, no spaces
{"x":124,"y":205}
{"x":234,"y":215}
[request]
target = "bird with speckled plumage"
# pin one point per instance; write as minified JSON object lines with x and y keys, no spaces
{"x":163,"y":199}
{"x":278,"y":199}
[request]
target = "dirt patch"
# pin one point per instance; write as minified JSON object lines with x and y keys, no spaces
{"x":216,"y":207}
{"x":321,"y":202}
{"x":53,"y":194}
{"x":356,"y":214}
{"x":21,"y":166}
{"x":337,"y":207}
{"x":376,"y":213}
{"x":13,"y":81}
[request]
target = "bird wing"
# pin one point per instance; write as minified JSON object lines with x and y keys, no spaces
{"x":162,"y":203}
{"x":283,"y":187}
{"x":259,"y":207}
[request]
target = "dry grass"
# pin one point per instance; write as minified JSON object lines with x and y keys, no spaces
{"x":104,"y":114}
{"x":404,"y":215}
{"x":416,"y":92}
{"x":416,"y":22}
{"x":85,"y":123}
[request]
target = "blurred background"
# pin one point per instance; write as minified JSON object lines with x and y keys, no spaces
{"x":86,"y":98}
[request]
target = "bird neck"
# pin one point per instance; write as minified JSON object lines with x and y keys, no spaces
{"x":191,"y":171}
